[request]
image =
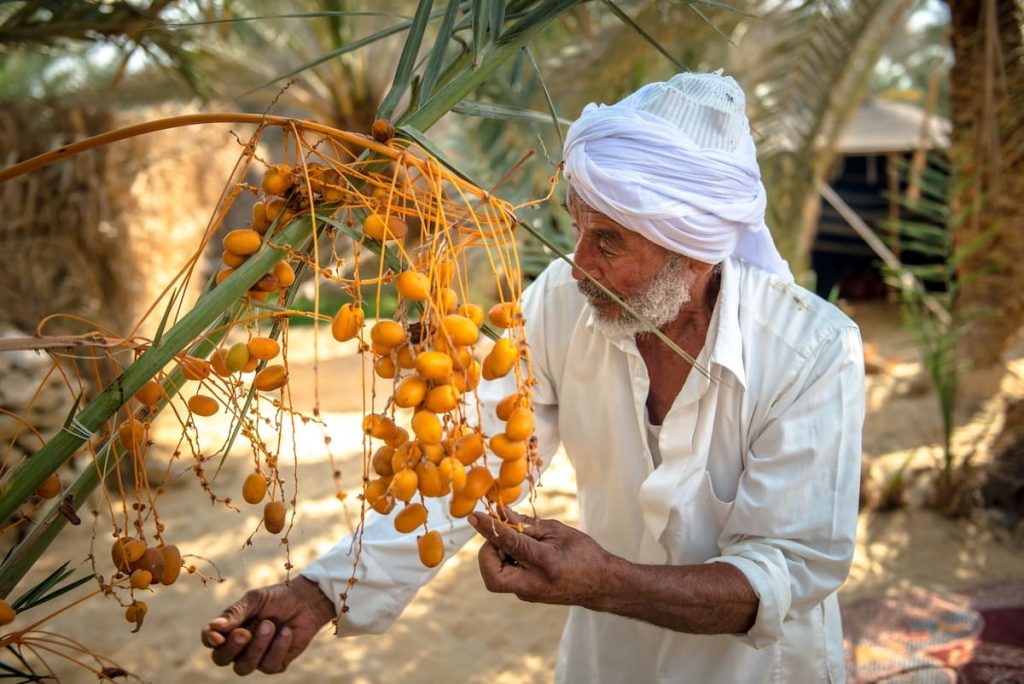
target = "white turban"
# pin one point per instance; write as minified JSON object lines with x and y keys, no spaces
{"x":675,"y":162}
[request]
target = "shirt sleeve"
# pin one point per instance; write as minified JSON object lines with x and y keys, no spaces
{"x":792,"y":527}
{"x":387,"y":569}
{"x":388,"y":572}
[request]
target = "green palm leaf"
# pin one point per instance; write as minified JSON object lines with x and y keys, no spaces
{"x":407,"y":61}
{"x":444,"y":34}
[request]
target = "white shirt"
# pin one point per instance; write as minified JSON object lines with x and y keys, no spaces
{"x":653,"y":439}
{"x":760,"y":468}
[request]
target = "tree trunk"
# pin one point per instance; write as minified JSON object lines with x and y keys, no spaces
{"x":987,"y":101}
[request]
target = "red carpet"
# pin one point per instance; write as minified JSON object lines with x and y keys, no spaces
{"x":924,"y":637}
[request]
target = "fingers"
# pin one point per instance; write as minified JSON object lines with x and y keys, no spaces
{"x":278,"y":655}
{"x":211,"y":634}
{"x":225,"y":633}
{"x":515,"y":517}
{"x":234,"y":616}
{"x":493,"y":569}
{"x":249,"y":651}
{"x":536,"y":528}
{"x":250,"y":658}
{"x":518,"y":545}
{"x":246,"y":633}
{"x":233,"y":644}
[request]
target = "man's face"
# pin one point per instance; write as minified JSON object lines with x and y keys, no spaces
{"x":649,"y":278}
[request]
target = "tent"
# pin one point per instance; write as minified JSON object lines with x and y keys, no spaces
{"x":862,"y":193}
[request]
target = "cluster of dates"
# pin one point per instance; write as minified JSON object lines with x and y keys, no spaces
{"x":434,"y":372}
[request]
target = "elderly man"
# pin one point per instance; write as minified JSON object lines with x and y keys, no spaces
{"x":717,"y":501}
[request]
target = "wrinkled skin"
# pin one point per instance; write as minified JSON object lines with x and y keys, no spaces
{"x":268,"y":627}
{"x":548,"y":562}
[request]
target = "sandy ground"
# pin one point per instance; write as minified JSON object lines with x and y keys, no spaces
{"x":455,"y":630}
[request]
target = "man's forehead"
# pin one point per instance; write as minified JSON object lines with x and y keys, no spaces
{"x":589,"y":219}
{"x":579,"y":208}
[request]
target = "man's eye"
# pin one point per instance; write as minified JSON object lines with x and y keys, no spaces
{"x":604,"y":250}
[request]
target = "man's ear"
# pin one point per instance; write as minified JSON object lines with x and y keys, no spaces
{"x":700,"y":268}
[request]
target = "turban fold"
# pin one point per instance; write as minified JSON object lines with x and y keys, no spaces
{"x":675,"y":162}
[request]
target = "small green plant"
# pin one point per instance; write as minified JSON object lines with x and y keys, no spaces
{"x":928,"y":293}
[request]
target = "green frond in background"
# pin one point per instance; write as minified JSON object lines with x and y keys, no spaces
{"x":930,"y":311}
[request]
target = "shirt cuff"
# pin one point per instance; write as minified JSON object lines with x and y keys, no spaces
{"x":771,"y":584}
{"x":389,"y":572}
{"x":375,"y":601}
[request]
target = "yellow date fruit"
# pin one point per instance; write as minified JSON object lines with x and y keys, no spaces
{"x":150,"y":394}
{"x":270,"y":378}
{"x":387,"y":334}
{"x":277,"y":180}
{"x":202,"y":405}
{"x":242,"y":242}
{"x":431,"y":549}
{"x":273,"y":516}
{"x":413,"y":285}
{"x":347,"y":322}
{"x":263,"y":348}
{"x":172,"y":564}
{"x":410,"y":517}
{"x":254,"y":488}
{"x":7,"y":613}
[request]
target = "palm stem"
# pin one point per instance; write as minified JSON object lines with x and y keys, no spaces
{"x":47,"y":158}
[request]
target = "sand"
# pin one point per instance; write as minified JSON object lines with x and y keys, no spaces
{"x":455,"y":630}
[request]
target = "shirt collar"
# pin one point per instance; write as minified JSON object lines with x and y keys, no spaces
{"x":727,"y":351}
{"x":624,"y":343}
{"x":723,"y":336}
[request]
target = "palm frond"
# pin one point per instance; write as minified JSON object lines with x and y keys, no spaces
{"x":407,"y":60}
{"x":128,"y":25}
{"x":320,"y":59}
{"x":444,"y":35}
{"x":625,"y":18}
{"x":931,"y":315}
{"x":805,"y":78}
{"x":497,"y":20}
{"x":555,"y":119}
{"x":322,"y":14}
{"x":49,"y":588}
{"x":720,"y":32}
{"x":812,"y":74}
{"x":723,"y":6}
{"x":491,"y":110}
{"x":480,"y":22}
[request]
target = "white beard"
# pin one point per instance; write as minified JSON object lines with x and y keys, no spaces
{"x":659,"y":304}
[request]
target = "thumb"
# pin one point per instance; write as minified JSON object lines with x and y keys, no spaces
{"x":239,"y":612}
{"x":517,"y":545}
{"x":514,"y":517}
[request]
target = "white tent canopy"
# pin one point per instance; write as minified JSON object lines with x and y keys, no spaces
{"x":881,"y":126}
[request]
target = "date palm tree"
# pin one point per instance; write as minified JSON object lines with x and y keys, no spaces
{"x":987,"y":103}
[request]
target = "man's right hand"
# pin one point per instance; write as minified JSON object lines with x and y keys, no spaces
{"x":269,"y":627}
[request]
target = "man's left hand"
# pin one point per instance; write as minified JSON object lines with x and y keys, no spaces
{"x":547,"y":562}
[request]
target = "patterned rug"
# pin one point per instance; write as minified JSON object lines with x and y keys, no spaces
{"x":922,"y":637}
